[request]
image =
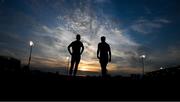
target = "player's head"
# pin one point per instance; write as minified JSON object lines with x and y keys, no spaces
{"x":103,"y":39}
{"x":78,"y":37}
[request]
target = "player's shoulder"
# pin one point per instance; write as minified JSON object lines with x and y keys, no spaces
{"x":107,"y":44}
{"x":73,"y":42}
{"x":100,"y":43}
{"x":81,"y":42}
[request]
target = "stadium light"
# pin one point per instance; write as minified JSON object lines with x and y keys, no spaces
{"x":161,"y":68}
{"x":31,"y":44}
{"x":143,"y":57}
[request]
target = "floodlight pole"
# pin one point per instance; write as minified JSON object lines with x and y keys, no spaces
{"x":143,"y":65}
{"x":30,"y":56}
{"x":31,"y":45}
{"x":143,"y":57}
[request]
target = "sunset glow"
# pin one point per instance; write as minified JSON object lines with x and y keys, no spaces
{"x":132,"y":28}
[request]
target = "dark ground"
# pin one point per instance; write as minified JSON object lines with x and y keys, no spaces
{"x":48,"y":86}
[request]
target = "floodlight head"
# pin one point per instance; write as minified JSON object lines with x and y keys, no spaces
{"x":31,"y":43}
{"x":67,"y":58}
{"x":143,"y":56}
{"x":161,"y":68}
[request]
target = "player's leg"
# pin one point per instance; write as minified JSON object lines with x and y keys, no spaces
{"x":72,"y":65}
{"x":76,"y":64}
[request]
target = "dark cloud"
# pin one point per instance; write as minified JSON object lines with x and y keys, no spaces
{"x":145,"y":26}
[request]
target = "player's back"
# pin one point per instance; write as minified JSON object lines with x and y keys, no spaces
{"x":76,"y":46}
{"x":103,"y":48}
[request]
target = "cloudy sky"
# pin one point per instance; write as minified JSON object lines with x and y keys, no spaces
{"x":132,"y":28}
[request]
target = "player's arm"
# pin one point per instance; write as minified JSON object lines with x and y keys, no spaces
{"x":109,"y":54}
{"x":82,"y":46}
{"x":69,"y":48}
{"x":98,"y":52}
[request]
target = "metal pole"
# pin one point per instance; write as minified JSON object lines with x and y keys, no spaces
{"x":143,"y":65}
{"x":30,"y":56}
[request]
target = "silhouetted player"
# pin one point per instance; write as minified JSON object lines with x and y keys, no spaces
{"x":77,"y":50}
{"x":104,"y":50}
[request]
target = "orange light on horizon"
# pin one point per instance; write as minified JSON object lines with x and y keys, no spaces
{"x":89,"y":68}
{"x":84,"y":69}
{"x":85,"y":65}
